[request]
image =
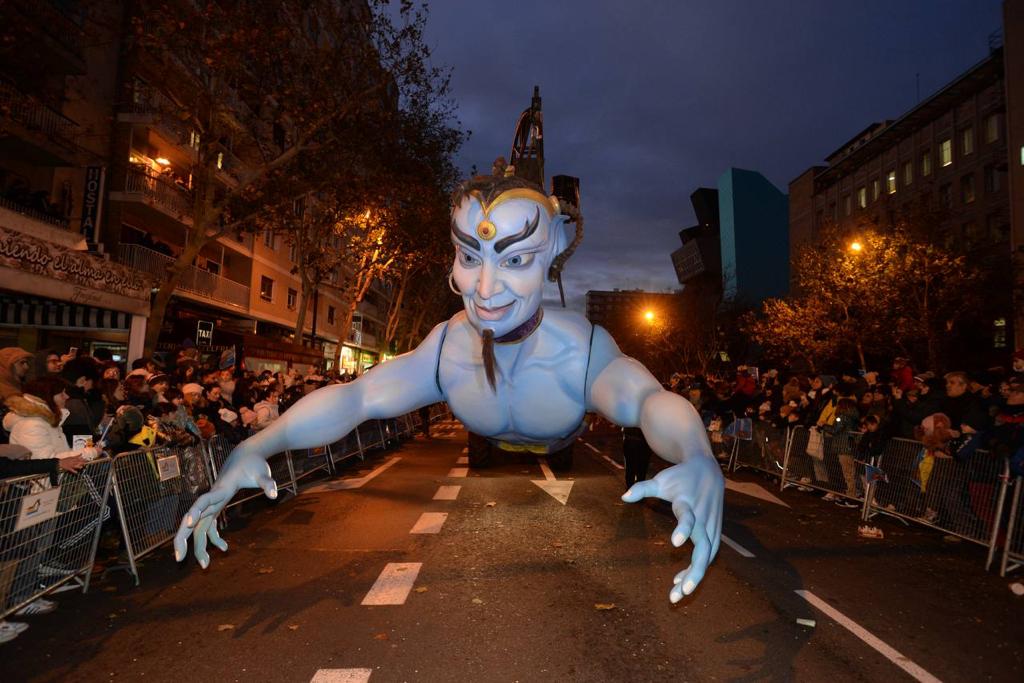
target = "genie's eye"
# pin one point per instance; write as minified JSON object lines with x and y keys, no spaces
{"x":518,"y":261}
{"x":468,"y":259}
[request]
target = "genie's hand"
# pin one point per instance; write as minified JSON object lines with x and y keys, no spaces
{"x":696,"y":490}
{"x":241,"y":471}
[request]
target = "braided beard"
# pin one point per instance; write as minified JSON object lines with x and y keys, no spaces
{"x":488,"y":357}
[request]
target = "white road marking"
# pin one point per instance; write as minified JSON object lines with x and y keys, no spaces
{"x":736,"y":546}
{"x":353,"y":483}
{"x":462,"y":461}
{"x":613,"y":463}
{"x":341,"y":676}
{"x":559,"y":490}
{"x":465,"y":450}
{"x":429,"y":523}
{"x":751,"y":489}
{"x":447,"y":492}
{"x":458,"y":472}
{"x":394,"y":583}
{"x":548,"y":474}
{"x":591,"y":447}
{"x":856,"y":629}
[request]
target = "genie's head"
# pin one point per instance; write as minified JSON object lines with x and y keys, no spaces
{"x":507,"y":233}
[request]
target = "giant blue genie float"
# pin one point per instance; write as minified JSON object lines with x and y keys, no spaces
{"x":513,"y":372}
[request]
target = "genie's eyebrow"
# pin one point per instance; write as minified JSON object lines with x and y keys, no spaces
{"x":468,"y":240}
{"x":528,"y":229}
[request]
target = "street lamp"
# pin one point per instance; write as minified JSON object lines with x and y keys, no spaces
{"x":856,"y":247}
{"x":649,"y":317}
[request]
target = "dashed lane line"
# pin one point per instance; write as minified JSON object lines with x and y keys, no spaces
{"x":447,"y":492}
{"x":856,"y":629}
{"x":462,"y":461}
{"x":613,"y":463}
{"x":393,"y":585}
{"x":458,"y":472}
{"x":354,"y":482}
{"x":429,"y":523}
{"x":736,"y":546}
{"x":591,"y":447}
{"x":341,"y":676}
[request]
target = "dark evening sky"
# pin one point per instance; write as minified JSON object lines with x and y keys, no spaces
{"x":647,"y":100}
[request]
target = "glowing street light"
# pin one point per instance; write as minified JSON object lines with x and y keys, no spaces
{"x":649,"y":316}
{"x":856,"y":247}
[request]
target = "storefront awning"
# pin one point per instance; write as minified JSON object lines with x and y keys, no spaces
{"x":18,"y":310}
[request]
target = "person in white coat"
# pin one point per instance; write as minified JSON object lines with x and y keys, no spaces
{"x":35,"y":419}
{"x":266,"y":408}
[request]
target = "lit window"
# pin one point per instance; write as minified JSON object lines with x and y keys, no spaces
{"x":946,"y":152}
{"x":220,"y":160}
{"x":890,"y":182}
{"x":999,"y":339}
{"x":862,"y":197}
{"x":908,"y":173}
{"x":293,"y":298}
{"x":266,"y":288}
{"x":926,"y":163}
{"x":991,"y":128}
{"x":967,"y":140}
{"x":875,"y":189}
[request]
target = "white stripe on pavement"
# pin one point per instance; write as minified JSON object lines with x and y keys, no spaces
{"x":394,"y":583}
{"x":736,"y":546}
{"x":458,"y":472}
{"x":613,"y":463}
{"x":447,"y":492}
{"x":429,"y":523}
{"x":464,"y":460}
{"x":591,"y":447}
{"x":548,"y":474}
{"x":341,"y":676}
{"x":354,"y":482}
{"x":856,"y":629}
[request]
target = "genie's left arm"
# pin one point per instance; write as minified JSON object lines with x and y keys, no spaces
{"x":622,"y":390}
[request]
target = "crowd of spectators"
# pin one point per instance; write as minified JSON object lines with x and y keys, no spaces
{"x":59,"y":411}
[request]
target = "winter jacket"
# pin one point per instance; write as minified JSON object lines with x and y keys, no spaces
{"x":86,"y":412}
{"x":266,"y":412}
{"x":33,"y":425}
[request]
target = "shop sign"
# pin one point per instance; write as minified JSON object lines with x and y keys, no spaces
{"x":19,"y":251}
{"x":91,"y":201}
{"x":204,"y":333}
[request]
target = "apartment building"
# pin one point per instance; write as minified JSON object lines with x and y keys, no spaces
{"x":944,"y":164}
{"x":90,"y":161}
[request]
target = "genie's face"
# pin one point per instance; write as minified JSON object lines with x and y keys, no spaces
{"x":502,"y":254}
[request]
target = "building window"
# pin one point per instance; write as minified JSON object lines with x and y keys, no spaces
{"x":875,"y":189}
{"x":862,"y":197}
{"x":967,"y":141}
{"x":293,"y":299}
{"x":908,"y":173}
{"x":992,"y":180}
{"x":926,"y":164}
{"x":991,"y":128}
{"x":997,"y":229}
{"x":268,"y":239}
{"x":946,"y":153}
{"x":971,"y":236}
{"x":220,"y":160}
{"x":890,"y":182}
{"x":330,"y":315}
{"x":945,"y":196}
{"x":293,"y":252}
{"x":999,"y":340}
{"x":967,"y":188}
{"x":266,"y":288}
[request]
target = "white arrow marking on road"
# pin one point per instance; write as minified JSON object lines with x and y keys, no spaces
{"x":750,"y":489}
{"x":856,"y":629}
{"x":341,"y":676}
{"x":559,"y":490}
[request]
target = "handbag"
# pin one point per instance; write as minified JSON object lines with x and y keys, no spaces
{"x":815,"y":444}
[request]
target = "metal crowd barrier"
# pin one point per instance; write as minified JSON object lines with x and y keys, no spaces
{"x":833,"y":466}
{"x":764,"y":451}
{"x":154,"y":488}
{"x":48,"y":535}
{"x":1013,"y":548}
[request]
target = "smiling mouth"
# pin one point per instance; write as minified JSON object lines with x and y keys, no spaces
{"x":492,"y":314}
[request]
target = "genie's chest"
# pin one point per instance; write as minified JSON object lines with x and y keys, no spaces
{"x":538,"y":395}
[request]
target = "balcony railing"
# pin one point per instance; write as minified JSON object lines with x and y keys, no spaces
{"x":36,"y":116}
{"x":193,"y":280}
{"x":160,"y":192}
{"x":11,"y":205}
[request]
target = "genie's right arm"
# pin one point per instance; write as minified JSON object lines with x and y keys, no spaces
{"x":322,"y":417}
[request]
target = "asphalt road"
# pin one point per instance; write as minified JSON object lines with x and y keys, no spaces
{"x":509,"y":584}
